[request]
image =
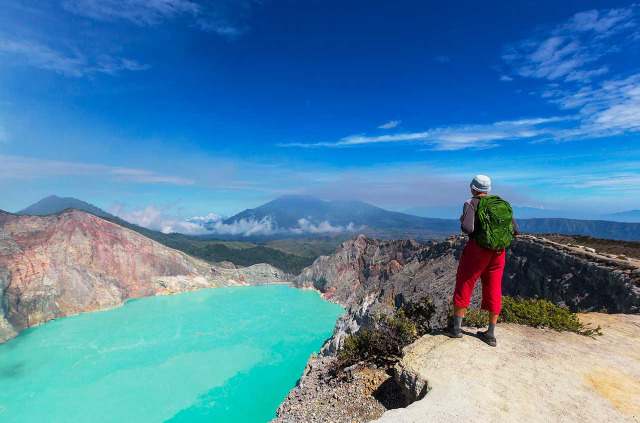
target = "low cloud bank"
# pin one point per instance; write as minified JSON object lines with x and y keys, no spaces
{"x":266,"y":226}
{"x":153,"y":217}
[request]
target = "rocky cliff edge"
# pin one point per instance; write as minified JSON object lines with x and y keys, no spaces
{"x":534,"y":375}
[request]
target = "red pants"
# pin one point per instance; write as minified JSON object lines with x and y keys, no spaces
{"x":479,"y":262}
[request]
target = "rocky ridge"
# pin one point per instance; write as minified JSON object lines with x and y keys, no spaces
{"x":368,"y":277}
{"x":72,"y":262}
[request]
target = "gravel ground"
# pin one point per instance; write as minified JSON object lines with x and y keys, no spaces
{"x":360,"y":395}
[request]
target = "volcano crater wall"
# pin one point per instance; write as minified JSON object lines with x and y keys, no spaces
{"x":369,"y":277}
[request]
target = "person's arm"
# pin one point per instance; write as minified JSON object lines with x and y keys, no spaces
{"x":468,"y":218}
{"x":516,"y":229}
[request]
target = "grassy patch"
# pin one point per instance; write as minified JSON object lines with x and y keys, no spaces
{"x":534,"y":312}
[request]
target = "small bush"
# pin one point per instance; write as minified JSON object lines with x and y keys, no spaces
{"x":476,"y":318}
{"x":541,"y":313}
{"x":420,"y":313}
{"x":381,"y":344}
{"x":534,"y":312}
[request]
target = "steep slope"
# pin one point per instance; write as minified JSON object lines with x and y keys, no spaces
{"x":369,"y":277}
{"x":71,"y":262}
{"x":54,"y":204}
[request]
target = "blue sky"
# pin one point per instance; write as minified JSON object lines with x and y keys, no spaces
{"x":169,"y":108}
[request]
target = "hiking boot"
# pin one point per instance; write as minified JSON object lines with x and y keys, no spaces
{"x":490,"y":340}
{"x":452,"y":332}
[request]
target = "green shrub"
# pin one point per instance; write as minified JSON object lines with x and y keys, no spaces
{"x":381,"y":344}
{"x":534,"y":312}
{"x":420,"y":313}
{"x":476,"y":318}
{"x":541,"y":313}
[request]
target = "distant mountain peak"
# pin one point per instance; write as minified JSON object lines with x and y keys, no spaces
{"x":53,"y":204}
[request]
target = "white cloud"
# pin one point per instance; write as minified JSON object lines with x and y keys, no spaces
{"x":73,"y":64}
{"x":611,"y":107}
{"x":159,"y":219}
{"x":210,"y":218}
{"x":246,"y":227}
{"x":389,"y":125}
{"x":223,"y":17}
{"x":304,"y":227}
{"x":443,"y":59}
{"x":570,"y":54}
{"x":141,"y":12}
{"x":566,"y":51}
{"x":453,"y":137}
{"x":266,"y":226}
{"x":505,"y":78}
{"x":147,"y":176}
{"x":18,"y":167}
{"x":155,"y":218}
{"x":619,"y":182}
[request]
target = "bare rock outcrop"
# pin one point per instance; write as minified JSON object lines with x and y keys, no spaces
{"x":72,"y":262}
{"x":534,"y":375}
{"x":567,"y":275}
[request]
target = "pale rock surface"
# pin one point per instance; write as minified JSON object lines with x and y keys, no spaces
{"x":533,"y":375}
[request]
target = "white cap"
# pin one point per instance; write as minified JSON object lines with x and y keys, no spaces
{"x":481,"y":183}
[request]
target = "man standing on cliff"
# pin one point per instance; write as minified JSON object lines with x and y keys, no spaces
{"x":488,"y":220}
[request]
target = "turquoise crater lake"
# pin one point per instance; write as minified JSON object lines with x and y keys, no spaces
{"x":218,"y":355}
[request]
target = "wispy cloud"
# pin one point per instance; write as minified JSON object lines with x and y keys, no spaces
{"x":611,"y":107}
{"x":141,"y":12}
{"x":452,"y":137}
{"x":224,"y":17}
{"x":625,"y":182}
{"x":18,"y":167}
{"x":568,"y":51}
{"x":568,"y":57}
{"x":389,"y":125}
{"x":443,"y":59}
{"x":73,"y":64}
{"x":569,"y":54}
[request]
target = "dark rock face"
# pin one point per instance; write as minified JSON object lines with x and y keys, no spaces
{"x":72,"y":262}
{"x":572,"y":278}
{"x":369,"y":277}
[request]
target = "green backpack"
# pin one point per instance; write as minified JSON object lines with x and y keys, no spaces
{"x":496,"y":228}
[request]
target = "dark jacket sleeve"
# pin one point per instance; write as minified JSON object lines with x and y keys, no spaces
{"x":516,"y":229}
{"x":468,"y":218}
